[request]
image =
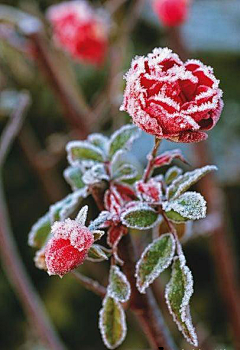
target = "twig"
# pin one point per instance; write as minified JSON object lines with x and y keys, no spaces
{"x":151,"y":158}
{"x":90,"y":284}
{"x":13,"y":126}
{"x":12,"y":262}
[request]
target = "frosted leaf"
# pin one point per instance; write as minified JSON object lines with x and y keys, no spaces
{"x":83,"y":150}
{"x":64,"y":208}
{"x":99,"y":141}
{"x":188,"y":206}
{"x":172,"y":173}
{"x":123,"y":138}
{"x":140,"y":217}
{"x":125,"y":172}
{"x":99,"y":221}
{"x":73,"y":176}
{"x":156,"y":257}
{"x":40,"y":232}
{"x":96,"y":174}
{"x":167,"y":157}
{"x":178,"y":293}
{"x":82,"y":215}
{"x":150,"y":191}
{"x":96,"y":253}
{"x":118,"y":159}
{"x":112,"y":323}
{"x":185,"y":181}
{"x":119,"y":287}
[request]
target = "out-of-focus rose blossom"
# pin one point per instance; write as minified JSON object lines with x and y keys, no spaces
{"x":68,"y":247}
{"x":80,"y":30}
{"x":171,"y":12}
{"x":171,"y":99}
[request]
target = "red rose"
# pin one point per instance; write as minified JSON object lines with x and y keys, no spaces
{"x":171,"y":12}
{"x":68,"y":247}
{"x":80,"y":31}
{"x":171,"y":99}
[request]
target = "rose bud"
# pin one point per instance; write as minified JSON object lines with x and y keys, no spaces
{"x":80,"y":30}
{"x":171,"y":12}
{"x":171,"y":99}
{"x":68,"y":246}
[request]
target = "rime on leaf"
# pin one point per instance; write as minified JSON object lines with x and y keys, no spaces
{"x":178,"y":293}
{"x":83,"y":150}
{"x":119,"y":287}
{"x":112,"y":323}
{"x":73,"y":176}
{"x":96,"y":253}
{"x":39,"y":232}
{"x":155,"y":258}
{"x":140,"y":217}
{"x":123,"y":138}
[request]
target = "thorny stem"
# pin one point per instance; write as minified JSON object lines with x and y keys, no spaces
{"x":144,"y":306}
{"x":151,"y":158}
{"x":12,"y":262}
{"x":90,"y":284}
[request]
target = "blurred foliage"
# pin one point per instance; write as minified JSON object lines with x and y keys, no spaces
{"x":74,"y":310}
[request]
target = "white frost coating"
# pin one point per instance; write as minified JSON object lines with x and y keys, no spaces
{"x":184,"y":308}
{"x":97,"y":234}
{"x":138,"y":207}
{"x":99,"y":252}
{"x":146,"y":194}
{"x":122,"y":321}
{"x":183,"y":182}
{"x":117,"y":160}
{"x":96,"y":174}
{"x":99,"y":140}
{"x":82,"y":215}
{"x":129,"y":176}
{"x":173,"y":169}
{"x":67,"y":205}
{"x":194,"y":207}
{"x":84,"y":145}
{"x":123,"y":279}
{"x":99,"y":221}
{"x":35,"y":228}
{"x":135,"y":134}
{"x":158,"y":268}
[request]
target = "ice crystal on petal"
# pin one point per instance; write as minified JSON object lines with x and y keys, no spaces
{"x":150,"y":192}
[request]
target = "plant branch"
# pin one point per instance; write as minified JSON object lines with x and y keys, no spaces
{"x":151,"y":158}
{"x":144,"y":306}
{"x":90,"y":284}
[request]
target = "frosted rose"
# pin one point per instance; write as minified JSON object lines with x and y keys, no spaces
{"x":68,"y":247}
{"x":171,"y":99}
{"x":171,"y":12}
{"x":80,"y":30}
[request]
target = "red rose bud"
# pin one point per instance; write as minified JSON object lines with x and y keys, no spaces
{"x":80,"y":30}
{"x":171,"y":12}
{"x":68,"y":247}
{"x":171,"y":99}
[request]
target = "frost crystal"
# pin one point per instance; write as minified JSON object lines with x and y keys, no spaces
{"x":82,"y":215}
{"x":119,"y":287}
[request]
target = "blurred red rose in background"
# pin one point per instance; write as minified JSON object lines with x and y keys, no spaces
{"x":171,"y":12}
{"x":80,"y":30}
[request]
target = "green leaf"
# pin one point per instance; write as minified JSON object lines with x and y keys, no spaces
{"x":65,"y":207}
{"x":99,"y":141}
{"x":96,"y":253}
{"x":83,"y":150}
{"x":172,"y":174}
{"x":123,"y":138}
{"x":178,"y":293}
{"x":40,"y":232}
{"x":155,"y":258}
{"x":119,"y":287}
{"x":140,"y":217}
{"x":73,"y":176}
{"x":182,"y":183}
{"x":126,"y":172}
{"x":189,"y":206}
{"x":112,"y":323}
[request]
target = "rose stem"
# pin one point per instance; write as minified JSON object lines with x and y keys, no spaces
{"x":90,"y":284}
{"x":223,"y":254}
{"x":12,"y":262}
{"x":144,"y":306}
{"x":151,"y":158}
